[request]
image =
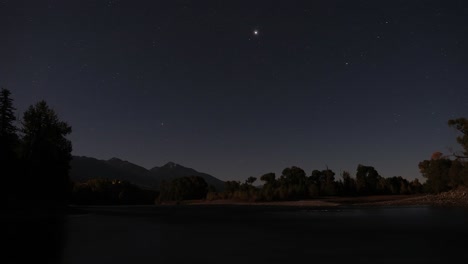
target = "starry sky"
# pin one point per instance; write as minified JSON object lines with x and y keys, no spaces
{"x":242,"y":88}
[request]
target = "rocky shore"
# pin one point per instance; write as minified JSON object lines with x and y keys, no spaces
{"x":453,"y":198}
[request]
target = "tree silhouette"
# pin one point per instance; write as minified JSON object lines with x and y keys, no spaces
{"x":8,"y":145}
{"x":293,"y":184}
{"x":443,"y":173}
{"x":46,"y":154}
{"x":250,"y":180}
{"x":461,"y":124}
{"x":7,"y":116}
{"x":436,"y":171}
{"x":328,"y":186}
{"x":436,"y":155}
{"x":268,"y":189}
{"x":184,"y":188}
{"x":349,"y":184}
{"x":367,"y":179}
{"x":269,"y":178}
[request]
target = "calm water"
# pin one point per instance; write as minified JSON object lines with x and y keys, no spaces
{"x":236,"y":234}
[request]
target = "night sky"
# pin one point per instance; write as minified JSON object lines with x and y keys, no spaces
{"x":242,"y":88}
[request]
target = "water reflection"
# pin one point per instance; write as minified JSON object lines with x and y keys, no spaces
{"x":33,"y":236}
{"x":239,"y":235}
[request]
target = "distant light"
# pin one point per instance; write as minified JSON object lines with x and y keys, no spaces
{"x":255,"y":32}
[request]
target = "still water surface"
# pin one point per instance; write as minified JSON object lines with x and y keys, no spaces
{"x":253,"y":234}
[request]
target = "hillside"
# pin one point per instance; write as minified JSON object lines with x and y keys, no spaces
{"x":84,"y":168}
{"x":173,"y":170}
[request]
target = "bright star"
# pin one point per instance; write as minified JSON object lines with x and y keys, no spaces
{"x":255,"y":32}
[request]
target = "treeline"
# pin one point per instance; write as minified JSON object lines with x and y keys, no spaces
{"x":184,"y":188}
{"x":110,"y":192}
{"x":295,"y":184}
{"x":116,"y":192}
{"x":442,"y":173}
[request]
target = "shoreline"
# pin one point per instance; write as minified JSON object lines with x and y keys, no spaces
{"x":453,"y":198}
{"x":318,"y":202}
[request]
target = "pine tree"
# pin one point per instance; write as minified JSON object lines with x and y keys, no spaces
{"x":7,"y":116}
{"x":8,"y":147}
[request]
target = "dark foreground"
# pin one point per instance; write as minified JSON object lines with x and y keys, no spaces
{"x":239,"y":234}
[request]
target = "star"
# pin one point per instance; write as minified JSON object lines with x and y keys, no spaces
{"x":255,"y":32}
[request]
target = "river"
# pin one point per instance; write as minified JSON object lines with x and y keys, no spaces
{"x":243,"y":234}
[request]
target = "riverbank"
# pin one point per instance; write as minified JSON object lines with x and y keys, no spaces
{"x":453,"y":198}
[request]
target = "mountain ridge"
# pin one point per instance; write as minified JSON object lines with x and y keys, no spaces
{"x":84,"y":168}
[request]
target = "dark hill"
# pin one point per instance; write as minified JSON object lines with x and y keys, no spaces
{"x":85,"y":168}
{"x":173,"y":170}
{"x":127,"y":166}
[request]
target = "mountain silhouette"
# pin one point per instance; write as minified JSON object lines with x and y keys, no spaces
{"x":173,"y":170}
{"x":85,"y":168}
{"x":127,"y":167}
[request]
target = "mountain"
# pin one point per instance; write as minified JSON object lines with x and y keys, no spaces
{"x":173,"y":170}
{"x":127,"y":166}
{"x":85,"y":168}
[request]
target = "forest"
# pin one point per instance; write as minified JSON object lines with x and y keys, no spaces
{"x":35,"y":163}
